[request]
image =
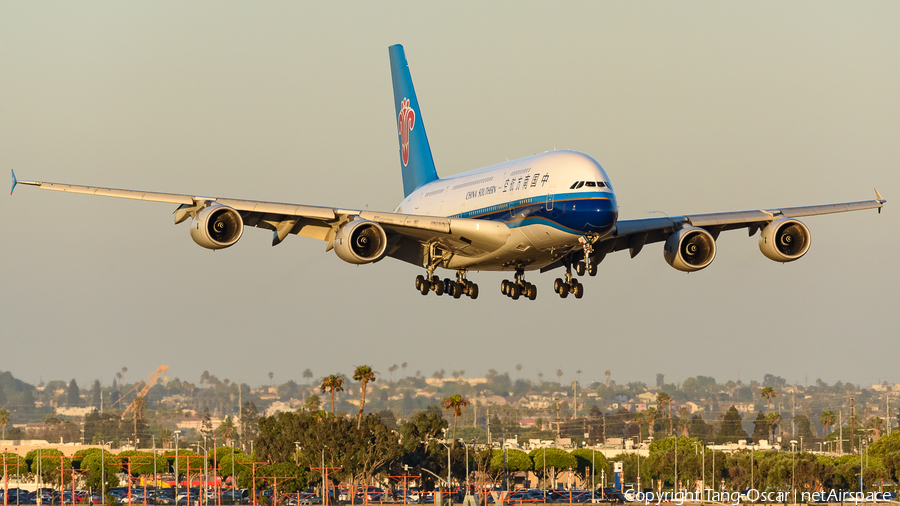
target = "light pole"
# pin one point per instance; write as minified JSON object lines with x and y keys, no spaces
{"x":175,"y":435}
{"x":297,"y":453}
{"x":793,"y":469}
{"x":205,"y":475}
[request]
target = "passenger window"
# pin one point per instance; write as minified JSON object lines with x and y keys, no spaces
{"x":590,"y":184}
{"x":573,"y":185}
{"x":580,"y":184}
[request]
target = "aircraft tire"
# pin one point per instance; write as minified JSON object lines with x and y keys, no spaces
{"x":473,"y":293}
{"x":532,"y":293}
{"x":577,"y":289}
{"x":504,"y":287}
{"x":438,"y":287}
{"x":557,"y":285}
{"x":564,"y":291}
{"x":515,"y":291}
{"x":580,"y":268}
{"x":592,"y":270}
{"x":457,"y":290}
{"x":424,"y":288}
{"x":419,"y":280}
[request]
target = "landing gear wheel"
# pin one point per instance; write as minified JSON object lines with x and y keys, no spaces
{"x":592,"y":270}
{"x":438,"y":287}
{"x":515,"y":291}
{"x":473,"y":293}
{"x":420,"y":280}
{"x":457,"y":290}
{"x":577,"y":289}
{"x":557,"y":285}
{"x":580,"y":267}
{"x":504,"y":287}
{"x":532,"y":292}
{"x":448,"y":285}
{"x":425,"y":287}
{"x":564,"y":290}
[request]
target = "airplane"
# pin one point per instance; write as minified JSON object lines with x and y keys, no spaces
{"x":552,"y":210}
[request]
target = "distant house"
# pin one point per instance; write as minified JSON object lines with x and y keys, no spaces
{"x":646,"y":397}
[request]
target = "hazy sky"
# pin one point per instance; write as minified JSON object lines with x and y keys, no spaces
{"x":689,"y":106}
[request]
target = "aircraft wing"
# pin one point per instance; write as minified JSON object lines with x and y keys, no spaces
{"x":409,"y":234}
{"x":634,"y":234}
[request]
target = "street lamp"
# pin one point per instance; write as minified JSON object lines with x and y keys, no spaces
{"x":175,"y":435}
{"x":793,"y":469}
{"x":205,"y":474}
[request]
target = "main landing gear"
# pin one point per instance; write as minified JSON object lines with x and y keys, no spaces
{"x":455,"y":289}
{"x":518,"y":287}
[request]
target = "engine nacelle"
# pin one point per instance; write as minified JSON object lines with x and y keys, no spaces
{"x":217,"y":227}
{"x":690,"y":249}
{"x":360,"y":242}
{"x":784,"y":240}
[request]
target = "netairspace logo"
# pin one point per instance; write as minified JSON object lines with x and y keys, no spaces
{"x":753,"y":495}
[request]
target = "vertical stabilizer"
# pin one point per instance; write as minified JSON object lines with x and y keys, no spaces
{"x":416,"y":162}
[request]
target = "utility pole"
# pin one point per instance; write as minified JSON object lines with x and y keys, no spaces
{"x":852,"y":424}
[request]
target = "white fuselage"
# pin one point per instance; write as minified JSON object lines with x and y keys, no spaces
{"x":548,"y":201}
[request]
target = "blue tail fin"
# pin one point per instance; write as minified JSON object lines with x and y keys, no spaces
{"x":416,"y":162}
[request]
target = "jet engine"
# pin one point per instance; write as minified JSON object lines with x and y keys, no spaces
{"x":784,"y":240}
{"x":690,"y":249}
{"x":360,"y":242}
{"x":217,"y":227}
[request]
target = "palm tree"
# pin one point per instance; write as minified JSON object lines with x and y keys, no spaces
{"x":559,"y":376}
{"x":607,"y":374}
{"x":307,"y":374}
{"x":4,"y":421}
{"x":456,"y":403}
{"x":651,"y":414}
{"x":663,"y":400}
{"x":773,"y":419}
{"x":768,"y":393}
{"x":363,"y":374}
{"x":639,"y":418}
{"x":139,"y":403}
{"x":828,"y":419}
{"x":391,"y":370}
{"x":333,"y":383}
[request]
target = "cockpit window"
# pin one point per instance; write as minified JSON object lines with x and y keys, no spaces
{"x":600,"y":184}
{"x":573,"y":185}
{"x":590,"y":184}
{"x":580,"y":184}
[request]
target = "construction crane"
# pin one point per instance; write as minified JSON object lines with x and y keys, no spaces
{"x":147,"y":383}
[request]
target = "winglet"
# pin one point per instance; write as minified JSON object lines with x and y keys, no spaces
{"x":15,"y":181}
{"x":879,"y":197}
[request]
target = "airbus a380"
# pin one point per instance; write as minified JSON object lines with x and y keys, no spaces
{"x":552,"y":210}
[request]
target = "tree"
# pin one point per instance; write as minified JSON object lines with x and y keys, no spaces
{"x":249,"y":422}
{"x":4,"y":421}
{"x":607,"y":374}
{"x":312,"y":403}
{"x":333,"y":383}
{"x":307,"y":375}
{"x":96,"y":394}
{"x":768,"y":393}
{"x":364,"y":374}
{"x":664,"y":401}
{"x":773,"y":419}
{"x":74,"y":394}
{"x":139,"y":403}
{"x":828,"y":419}
{"x":391,"y":370}
{"x":583,"y":456}
{"x":730,"y":430}
{"x":639,"y":418}
{"x":760,"y":427}
{"x":456,"y":403}
{"x":556,"y":460}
